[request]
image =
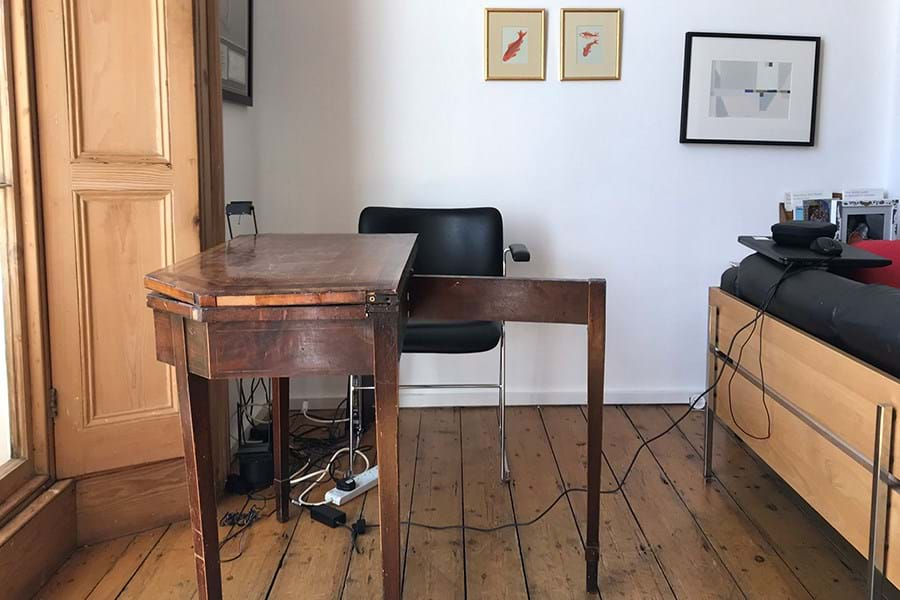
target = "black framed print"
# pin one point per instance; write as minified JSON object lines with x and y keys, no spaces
{"x":236,"y":50}
{"x":749,"y":89}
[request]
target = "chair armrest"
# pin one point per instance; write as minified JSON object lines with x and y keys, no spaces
{"x":519,"y":252}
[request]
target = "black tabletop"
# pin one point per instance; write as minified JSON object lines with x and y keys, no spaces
{"x":852,"y":257}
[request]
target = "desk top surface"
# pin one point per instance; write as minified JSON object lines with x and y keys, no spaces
{"x":289,"y":270}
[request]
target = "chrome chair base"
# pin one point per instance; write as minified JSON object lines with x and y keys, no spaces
{"x":500,"y":386}
{"x":354,"y":388}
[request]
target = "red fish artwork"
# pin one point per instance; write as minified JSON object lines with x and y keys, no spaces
{"x":514,"y":47}
{"x":589,"y":35}
{"x":588,"y":48}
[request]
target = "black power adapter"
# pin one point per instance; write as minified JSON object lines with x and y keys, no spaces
{"x":328,"y":516}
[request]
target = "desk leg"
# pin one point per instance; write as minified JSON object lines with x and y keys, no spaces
{"x":387,"y":393}
{"x":196,"y":428}
{"x":280,"y":440}
{"x":596,"y":359}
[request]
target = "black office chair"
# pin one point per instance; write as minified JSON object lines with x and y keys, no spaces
{"x":453,"y":241}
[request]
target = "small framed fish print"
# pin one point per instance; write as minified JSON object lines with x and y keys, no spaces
{"x":514,"y":44}
{"x":590,"y":44}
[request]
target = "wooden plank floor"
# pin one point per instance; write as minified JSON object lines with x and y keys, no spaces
{"x":667,"y":534}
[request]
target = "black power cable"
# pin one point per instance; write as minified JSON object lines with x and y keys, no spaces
{"x":361,"y":526}
{"x":770,"y":295}
{"x":752,"y":323}
{"x":760,"y":319}
{"x":760,"y":315}
{"x":241,"y":520}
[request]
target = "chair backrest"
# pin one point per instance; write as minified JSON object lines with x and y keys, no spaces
{"x":452,"y":241}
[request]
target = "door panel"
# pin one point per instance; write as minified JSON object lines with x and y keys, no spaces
{"x":119,"y":238}
{"x":117,"y":115}
{"x":110,"y":83}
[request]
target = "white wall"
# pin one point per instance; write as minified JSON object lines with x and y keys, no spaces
{"x":892,"y":122}
{"x":383,"y":102}
{"x":239,"y":131}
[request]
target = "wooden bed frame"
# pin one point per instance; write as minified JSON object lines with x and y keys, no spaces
{"x":832,"y":425}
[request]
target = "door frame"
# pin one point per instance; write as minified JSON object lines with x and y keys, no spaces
{"x":211,"y":167}
{"x":33,"y":505}
{"x":23,"y":478}
{"x":210,"y":147}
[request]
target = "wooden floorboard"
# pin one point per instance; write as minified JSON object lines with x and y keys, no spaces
{"x":101,"y":570}
{"x":314,"y":565}
{"x":168,"y":572}
{"x":81,"y":573}
{"x":690,"y":562}
{"x":629,"y":567}
{"x":667,"y":535}
{"x":493,"y":561}
{"x":758,"y":569}
{"x":822,"y":568}
{"x":127,"y":564}
{"x":552,"y":549}
{"x":364,"y":565}
{"x":434,"y":559}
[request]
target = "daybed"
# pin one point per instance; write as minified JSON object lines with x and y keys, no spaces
{"x":831,"y":358}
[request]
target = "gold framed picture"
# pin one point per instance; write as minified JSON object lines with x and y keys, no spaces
{"x":590,"y":44}
{"x":514,"y":44}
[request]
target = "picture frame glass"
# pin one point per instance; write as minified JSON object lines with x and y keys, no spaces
{"x":753,"y":89}
{"x":861,"y":221}
{"x":514,"y":44}
{"x":235,"y":49}
{"x":590,"y":43}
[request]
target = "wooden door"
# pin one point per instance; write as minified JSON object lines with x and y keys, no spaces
{"x":119,"y":170}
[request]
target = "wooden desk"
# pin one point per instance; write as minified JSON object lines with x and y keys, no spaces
{"x":282,"y":306}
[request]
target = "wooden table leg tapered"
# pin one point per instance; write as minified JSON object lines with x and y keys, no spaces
{"x":280,"y":446}
{"x":387,"y":395}
{"x":196,"y":429}
{"x":596,"y":360}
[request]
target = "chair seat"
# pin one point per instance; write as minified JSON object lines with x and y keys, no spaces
{"x":450,"y":337}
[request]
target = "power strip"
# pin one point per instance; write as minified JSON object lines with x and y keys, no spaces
{"x":364,"y":481}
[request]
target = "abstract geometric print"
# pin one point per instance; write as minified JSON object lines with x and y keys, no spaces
{"x":750,"y":89}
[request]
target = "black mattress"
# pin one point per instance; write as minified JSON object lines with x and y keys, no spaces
{"x":861,"y":319}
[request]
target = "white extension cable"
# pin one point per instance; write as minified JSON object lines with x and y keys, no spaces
{"x":321,"y":421}
{"x":319,"y":476}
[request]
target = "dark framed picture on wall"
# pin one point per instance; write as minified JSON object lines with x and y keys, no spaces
{"x":236,"y":50}
{"x":750,"y":89}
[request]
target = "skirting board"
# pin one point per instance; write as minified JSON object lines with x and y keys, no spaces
{"x":37,"y":541}
{"x":129,"y":500}
{"x":442,"y":398}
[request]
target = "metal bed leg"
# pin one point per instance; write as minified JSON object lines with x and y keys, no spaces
{"x":881,"y":465}
{"x":504,"y":464}
{"x":712,"y":335}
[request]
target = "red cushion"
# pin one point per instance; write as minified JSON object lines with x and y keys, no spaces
{"x":883,"y":275}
